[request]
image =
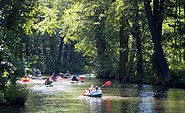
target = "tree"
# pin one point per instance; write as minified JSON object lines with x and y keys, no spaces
{"x":123,"y":49}
{"x":155,"y":19}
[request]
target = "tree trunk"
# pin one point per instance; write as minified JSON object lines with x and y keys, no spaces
{"x":71,"y":56}
{"x":47,"y":61}
{"x":139,"y":57}
{"x":184,"y":9}
{"x":123,"y":51}
{"x":52,"y":53}
{"x":101,"y":52}
{"x":101,"y":45}
{"x":184,"y":20}
{"x":65,"y":61}
{"x":59,"y":57}
{"x":136,"y":36}
{"x":155,"y":26}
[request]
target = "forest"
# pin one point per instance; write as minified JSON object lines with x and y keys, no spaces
{"x":135,"y":41}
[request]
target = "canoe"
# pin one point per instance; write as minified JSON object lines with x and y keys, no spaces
{"x":94,"y":95}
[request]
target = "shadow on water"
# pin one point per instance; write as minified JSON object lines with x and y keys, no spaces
{"x":65,"y":97}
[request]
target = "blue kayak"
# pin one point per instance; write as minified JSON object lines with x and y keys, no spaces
{"x":94,"y":95}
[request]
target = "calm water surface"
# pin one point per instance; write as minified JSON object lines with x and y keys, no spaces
{"x":66,"y":97}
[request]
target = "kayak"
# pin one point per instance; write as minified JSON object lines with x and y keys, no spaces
{"x":49,"y":85}
{"x":26,"y":80}
{"x":74,"y":81}
{"x":97,"y":92}
{"x":93,"y":95}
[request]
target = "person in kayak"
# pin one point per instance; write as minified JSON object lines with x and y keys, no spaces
{"x":90,"y":89}
{"x":48,"y":81}
{"x":25,"y":78}
{"x":74,"y":78}
{"x":54,"y":77}
{"x":96,"y":90}
{"x":67,"y":75}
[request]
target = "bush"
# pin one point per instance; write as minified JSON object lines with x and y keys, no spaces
{"x":15,"y":95}
{"x":2,"y":99}
{"x":178,"y":77}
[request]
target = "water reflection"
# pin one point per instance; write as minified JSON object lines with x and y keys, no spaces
{"x":152,"y":99}
{"x":95,"y":105}
{"x":147,"y":100}
{"x":108,"y":106}
{"x":65,"y":97}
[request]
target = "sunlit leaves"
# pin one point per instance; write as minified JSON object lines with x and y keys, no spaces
{"x":72,"y":22}
{"x":84,"y":23}
{"x":48,"y":23}
{"x":27,"y":26}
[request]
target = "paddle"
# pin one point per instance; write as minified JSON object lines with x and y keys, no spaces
{"x":108,"y":83}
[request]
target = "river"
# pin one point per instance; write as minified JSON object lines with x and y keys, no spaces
{"x":66,"y":97}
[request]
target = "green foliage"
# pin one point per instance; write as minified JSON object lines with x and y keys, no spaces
{"x":48,"y":24}
{"x":4,"y":66}
{"x":15,"y":95}
{"x":2,"y":99}
{"x":88,"y":32}
{"x":10,"y":67}
{"x":178,"y":77}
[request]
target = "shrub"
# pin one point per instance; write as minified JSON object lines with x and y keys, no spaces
{"x":15,"y":95}
{"x":2,"y":99}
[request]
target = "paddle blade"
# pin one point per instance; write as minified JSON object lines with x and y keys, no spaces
{"x":108,"y":83}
